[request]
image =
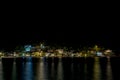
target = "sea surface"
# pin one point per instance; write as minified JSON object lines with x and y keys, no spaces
{"x":60,"y":68}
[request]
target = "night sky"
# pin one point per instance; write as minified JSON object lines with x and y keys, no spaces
{"x":67,"y":28}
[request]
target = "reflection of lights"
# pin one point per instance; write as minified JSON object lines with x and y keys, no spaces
{"x":109,"y":71}
{"x":13,"y":72}
{"x":97,"y":70}
{"x":0,"y":53}
{"x":29,"y":59}
{"x":1,"y":71}
{"x":41,"y":71}
{"x":28,"y":71}
{"x":60,"y":71}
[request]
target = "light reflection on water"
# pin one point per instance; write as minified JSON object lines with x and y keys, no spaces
{"x":13,"y":72}
{"x":1,"y":72}
{"x":109,"y":71}
{"x":43,"y":70}
{"x":97,"y":71}
{"x":60,"y":71}
{"x":28,"y":71}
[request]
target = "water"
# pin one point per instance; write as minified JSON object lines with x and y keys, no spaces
{"x":60,"y":69}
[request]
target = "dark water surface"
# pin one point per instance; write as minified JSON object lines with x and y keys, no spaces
{"x":60,"y":69}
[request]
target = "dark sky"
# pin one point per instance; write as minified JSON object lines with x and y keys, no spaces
{"x":71,"y":28}
{"x":69,"y":33}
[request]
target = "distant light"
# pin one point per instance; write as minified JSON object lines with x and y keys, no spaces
{"x":60,"y":51}
{"x":99,"y":53}
{"x":23,"y":54}
{"x":42,"y":46}
{"x":28,"y":47}
{"x":108,"y":51}
{"x":85,"y":55}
